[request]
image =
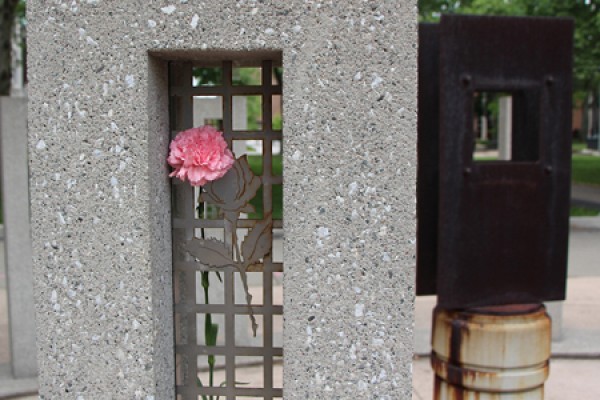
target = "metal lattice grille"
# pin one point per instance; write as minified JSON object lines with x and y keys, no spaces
{"x":228,"y":362}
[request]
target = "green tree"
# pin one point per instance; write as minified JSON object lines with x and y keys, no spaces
{"x":431,"y":10}
{"x":10,"y":10}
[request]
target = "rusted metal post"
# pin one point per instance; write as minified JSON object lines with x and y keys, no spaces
{"x":491,"y":353}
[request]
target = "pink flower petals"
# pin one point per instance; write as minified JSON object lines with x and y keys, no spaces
{"x":199,"y":155}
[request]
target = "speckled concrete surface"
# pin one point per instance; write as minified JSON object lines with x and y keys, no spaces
{"x":100,"y":204}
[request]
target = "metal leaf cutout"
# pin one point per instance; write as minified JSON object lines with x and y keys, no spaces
{"x":233,"y":192}
{"x":259,"y":241}
{"x":210,"y":252}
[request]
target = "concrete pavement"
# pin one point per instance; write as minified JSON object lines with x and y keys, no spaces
{"x":585,"y":196}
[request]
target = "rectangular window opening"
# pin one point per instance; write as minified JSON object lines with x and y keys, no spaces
{"x":247,"y":76}
{"x":228,"y":234}
{"x":208,"y":110}
{"x":277,"y":118}
{"x":505,"y":126}
{"x":247,"y":113}
{"x":207,"y":76}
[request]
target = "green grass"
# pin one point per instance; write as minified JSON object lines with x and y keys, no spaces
{"x":578,"y":146}
{"x":277,"y":165}
{"x":585,"y":169}
{"x":256,"y":164}
{"x":257,"y":203}
{"x":583,"y":212}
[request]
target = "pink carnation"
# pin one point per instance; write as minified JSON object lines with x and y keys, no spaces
{"x":200,"y":155}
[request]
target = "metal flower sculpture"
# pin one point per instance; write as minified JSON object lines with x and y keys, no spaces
{"x":232,"y":194}
{"x":201,"y":156}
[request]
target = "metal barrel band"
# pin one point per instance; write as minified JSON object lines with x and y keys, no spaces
{"x":480,"y":378}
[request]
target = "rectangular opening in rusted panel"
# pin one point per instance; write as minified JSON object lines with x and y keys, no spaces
{"x":506,"y":125}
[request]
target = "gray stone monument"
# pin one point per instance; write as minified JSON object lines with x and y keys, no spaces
{"x":100,"y":192}
{"x":15,"y":197}
{"x":505,"y":104}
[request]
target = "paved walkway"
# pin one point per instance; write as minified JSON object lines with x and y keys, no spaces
{"x":586,"y":196}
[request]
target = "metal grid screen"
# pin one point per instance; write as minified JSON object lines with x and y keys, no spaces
{"x":221,"y":353}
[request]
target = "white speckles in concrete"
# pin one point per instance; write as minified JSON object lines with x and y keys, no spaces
{"x":129,"y":81}
{"x":359,"y":310}
{"x":376,"y":81}
{"x":194,"y":22}
{"x":168,"y":9}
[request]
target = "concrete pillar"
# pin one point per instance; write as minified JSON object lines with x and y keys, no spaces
{"x":101,"y":210}
{"x":555,"y":311}
{"x":505,"y":128}
{"x":484,"y":127}
{"x":15,"y":202}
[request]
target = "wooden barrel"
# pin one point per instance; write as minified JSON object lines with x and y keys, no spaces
{"x":491,"y":353}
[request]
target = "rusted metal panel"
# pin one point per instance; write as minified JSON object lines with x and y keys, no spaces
{"x":502,"y":226}
{"x":491,"y":352}
{"x":428,"y":151}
